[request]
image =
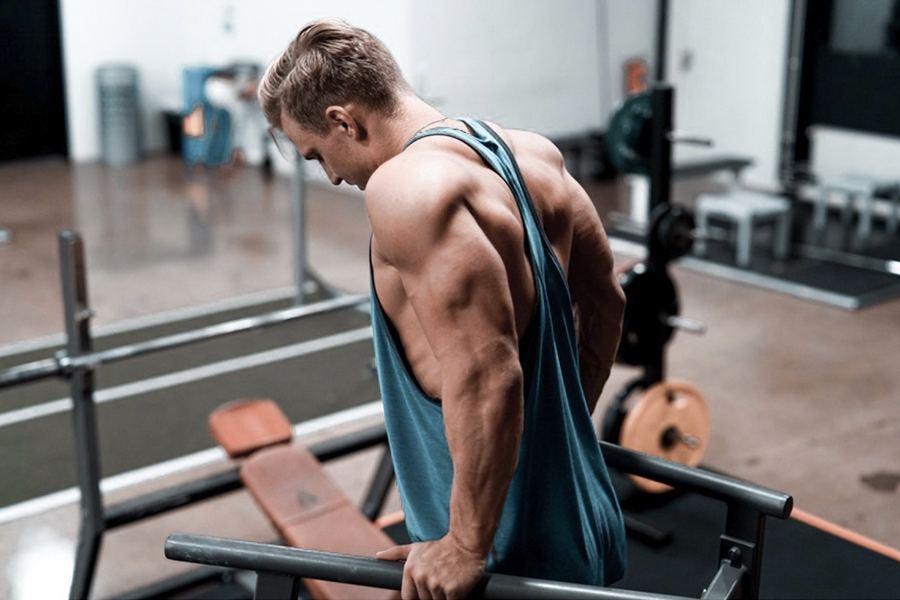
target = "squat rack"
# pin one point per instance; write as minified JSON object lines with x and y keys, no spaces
{"x":77,"y":363}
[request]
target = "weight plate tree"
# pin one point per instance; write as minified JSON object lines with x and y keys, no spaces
{"x":667,"y":419}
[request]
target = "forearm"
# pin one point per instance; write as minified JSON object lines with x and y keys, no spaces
{"x":484,"y":429}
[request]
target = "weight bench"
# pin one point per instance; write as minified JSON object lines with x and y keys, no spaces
{"x":744,"y":210}
{"x":701,"y":167}
{"x":852,"y":188}
{"x":296,"y":494}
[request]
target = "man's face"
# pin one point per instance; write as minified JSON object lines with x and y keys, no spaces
{"x":337,"y":152}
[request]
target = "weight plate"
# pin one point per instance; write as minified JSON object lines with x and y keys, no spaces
{"x":628,"y":135}
{"x":671,"y":232}
{"x":669,"y":420}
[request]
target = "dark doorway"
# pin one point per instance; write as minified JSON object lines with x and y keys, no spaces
{"x":32,"y":106}
{"x":850,"y":68}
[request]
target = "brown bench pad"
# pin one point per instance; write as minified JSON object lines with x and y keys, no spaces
{"x":243,"y":426}
{"x":311,"y":512}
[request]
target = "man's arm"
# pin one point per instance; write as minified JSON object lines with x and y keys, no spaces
{"x":456,"y":284}
{"x":597,"y":297}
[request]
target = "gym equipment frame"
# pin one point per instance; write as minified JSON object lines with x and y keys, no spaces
{"x":77,"y":364}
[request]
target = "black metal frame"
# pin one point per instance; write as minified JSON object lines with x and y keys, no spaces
{"x":748,"y":505}
{"x":280,"y":569}
{"x":660,"y":174}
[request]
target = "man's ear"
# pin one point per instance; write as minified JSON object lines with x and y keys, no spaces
{"x":338,"y":117}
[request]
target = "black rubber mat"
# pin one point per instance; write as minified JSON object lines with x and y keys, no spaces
{"x":799,"y":561}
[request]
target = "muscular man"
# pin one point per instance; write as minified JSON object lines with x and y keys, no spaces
{"x":495,"y":314}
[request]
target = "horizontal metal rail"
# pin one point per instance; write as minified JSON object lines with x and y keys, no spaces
{"x":28,"y":372}
{"x":269,"y":559}
{"x":202,"y":334}
{"x":713,"y":485}
{"x":62,"y":364}
{"x":192,"y":492}
{"x":190,"y":375}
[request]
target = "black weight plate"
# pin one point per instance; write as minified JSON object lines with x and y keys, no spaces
{"x":650,"y":297}
{"x":628,"y":135}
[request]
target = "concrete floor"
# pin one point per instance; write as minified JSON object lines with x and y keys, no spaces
{"x":804,"y":398}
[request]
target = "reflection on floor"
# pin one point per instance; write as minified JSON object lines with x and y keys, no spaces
{"x":160,"y":237}
{"x":803,"y":396}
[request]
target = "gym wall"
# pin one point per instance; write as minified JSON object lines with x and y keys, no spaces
{"x":727,"y":62}
{"x":529,"y":65}
{"x":161,"y":37}
{"x":552,"y":67}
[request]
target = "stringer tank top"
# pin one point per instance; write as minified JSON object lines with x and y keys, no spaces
{"x":561,"y":519}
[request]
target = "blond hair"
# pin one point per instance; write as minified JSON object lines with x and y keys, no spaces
{"x":330,"y":62}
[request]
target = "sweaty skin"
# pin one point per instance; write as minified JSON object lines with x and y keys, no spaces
{"x":451,"y":274}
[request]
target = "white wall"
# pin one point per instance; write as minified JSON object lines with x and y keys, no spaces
{"x":554,"y":67}
{"x":161,"y":37}
{"x":727,"y":63}
{"x":841,"y":152}
{"x":526,"y":64}
{"x":630,"y":32}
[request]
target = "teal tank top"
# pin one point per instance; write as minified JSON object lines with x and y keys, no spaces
{"x":561,"y":519}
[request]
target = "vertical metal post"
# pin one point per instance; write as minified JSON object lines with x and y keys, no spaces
{"x":661,"y":146}
{"x":379,"y":486}
{"x":81,"y":379}
{"x":790,"y":133}
{"x":298,"y":194}
{"x":662,"y":38}
{"x":745,"y":526}
{"x":270,"y":586}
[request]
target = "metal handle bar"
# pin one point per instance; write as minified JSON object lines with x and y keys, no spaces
{"x":706,"y":483}
{"x":358,"y":570}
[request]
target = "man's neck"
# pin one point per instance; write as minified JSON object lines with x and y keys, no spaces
{"x":414,"y":116}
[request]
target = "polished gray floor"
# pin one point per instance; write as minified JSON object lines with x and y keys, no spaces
{"x":804,"y":397}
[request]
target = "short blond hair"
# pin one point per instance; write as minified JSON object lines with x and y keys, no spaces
{"x":330,"y":62}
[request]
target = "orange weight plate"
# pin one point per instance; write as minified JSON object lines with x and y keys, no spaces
{"x":669,"y":420}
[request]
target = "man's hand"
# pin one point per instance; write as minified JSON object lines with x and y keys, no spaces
{"x":437,"y":569}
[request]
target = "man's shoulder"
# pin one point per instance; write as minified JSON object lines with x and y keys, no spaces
{"x":523,"y":141}
{"x":422,"y":177}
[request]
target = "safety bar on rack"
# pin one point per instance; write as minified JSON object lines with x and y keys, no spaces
{"x":185,"y":494}
{"x":62,"y":363}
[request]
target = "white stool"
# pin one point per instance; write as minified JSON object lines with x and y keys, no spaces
{"x":855,"y":188}
{"x":744,"y":209}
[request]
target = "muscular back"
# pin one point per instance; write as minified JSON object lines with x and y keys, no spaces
{"x":448,"y":238}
